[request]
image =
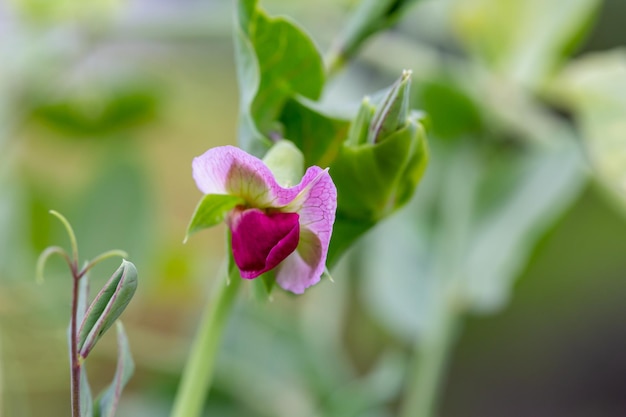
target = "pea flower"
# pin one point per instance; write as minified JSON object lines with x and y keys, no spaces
{"x":280,"y":227}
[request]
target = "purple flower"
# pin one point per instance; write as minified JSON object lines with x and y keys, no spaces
{"x":276,"y":228}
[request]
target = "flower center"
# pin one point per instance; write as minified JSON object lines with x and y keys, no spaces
{"x":261,"y":240}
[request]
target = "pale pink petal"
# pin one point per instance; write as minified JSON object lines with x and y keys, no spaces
{"x":229,"y":170}
{"x":304,"y":267}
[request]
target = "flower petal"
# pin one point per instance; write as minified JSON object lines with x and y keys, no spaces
{"x":261,"y":241}
{"x":229,"y":170}
{"x":316,"y":204}
{"x":304,"y":267}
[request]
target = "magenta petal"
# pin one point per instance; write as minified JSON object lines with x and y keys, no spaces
{"x":261,"y":241}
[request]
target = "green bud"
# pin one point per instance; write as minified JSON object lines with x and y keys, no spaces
{"x":286,"y":162}
{"x":392,"y":113}
{"x":359,"y":129}
{"x":378,"y":167}
{"x":107,"y":306}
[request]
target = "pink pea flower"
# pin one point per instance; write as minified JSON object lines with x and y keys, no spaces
{"x":282,"y":229}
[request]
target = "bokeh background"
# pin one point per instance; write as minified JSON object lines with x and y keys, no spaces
{"x":103,"y":104}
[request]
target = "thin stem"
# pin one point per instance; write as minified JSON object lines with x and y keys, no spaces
{"x":198,"y":372}
{"x":72,"y":236}
{"x":75,"y":362}
{"x":103,"y":256}
{"x":426,"y":375}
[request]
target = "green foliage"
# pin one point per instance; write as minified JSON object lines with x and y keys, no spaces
{"x":522,"y":39}
{"x":111,"y":107}
{"x":106,"y":404}
{"x":461,"y":244}
{"x":211,"y":210}
{"x":594,"y":87}
{"x":369,"y":17}
{"x":108,"y":305}
{"x":276,"y":61}
{"x":375,"y":166}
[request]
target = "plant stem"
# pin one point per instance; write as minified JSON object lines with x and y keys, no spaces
{"x":75,"y":363}
{"x":426,"y":375}
{"x":198,"y":372}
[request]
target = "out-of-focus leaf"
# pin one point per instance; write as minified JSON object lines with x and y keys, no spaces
{"x":83,"y":299}
{"x":369,"y":17}
{"x":317,"y":134}
{"x":452,"y":112}
{"x":276,"y":60}
{"x":107,"y":402}
{"x":594,"y":86}
{"x":67,"y":10}
{"x":107,"y":306}
{"x":211,"y":210}
{"x":88,"y":111}
{"x":86,"y":400}
{"x":522,"y":39}
{"x":468,"y":232}
{"x":116,"y":210}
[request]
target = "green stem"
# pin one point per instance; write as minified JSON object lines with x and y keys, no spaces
{"x":426,"y":375}
{"x":198,"y":372}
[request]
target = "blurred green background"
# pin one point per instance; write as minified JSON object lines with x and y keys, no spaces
{"x":103,"y":105}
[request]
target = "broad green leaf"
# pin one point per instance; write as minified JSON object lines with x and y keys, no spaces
{"x":107,"y":306}
{"x":594,"y":86}
{"x":211,"y":210}
{"x":522,"y":39}
{"x":276,"y":60}
{"x":108,"y":400}
{"x":453,"y":112}
{"x":317,"y":134}
{"x":87,"y":111}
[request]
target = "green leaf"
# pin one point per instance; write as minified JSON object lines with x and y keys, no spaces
{"x":116,"y":210}
{"x":276,"y":60}
{"x":373,"y":181}
{"x":369,"y":17}
{"x":108,"y":400}
{"x":522,"y":39}
{"x":110,"y":107}
{"x":107,"y":306}
{"x":318,"y":135}
{"x":367,"y":177}
{"x":459,"y":246}
{"x":86,"y":400}
{"x":83,"y":298}
{"x":594,"y":86}
{"x":211,"y":210}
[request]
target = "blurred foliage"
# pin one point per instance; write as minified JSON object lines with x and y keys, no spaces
{"x":516,"y":104}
